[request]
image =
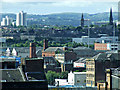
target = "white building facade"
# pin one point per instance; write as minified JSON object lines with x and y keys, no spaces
{"x":6,"y":21}
{"x":21,"y":19}
{"x":77,"y":78}
{"x":74,"y":78}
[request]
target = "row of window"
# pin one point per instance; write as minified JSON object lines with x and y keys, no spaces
{"x":90,"y":69}
{"x":90,"y":82}
{"x":90,"y":75}
{"x":90,"y":63}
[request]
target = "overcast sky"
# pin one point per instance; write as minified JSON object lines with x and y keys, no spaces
{"x":58,"y":6}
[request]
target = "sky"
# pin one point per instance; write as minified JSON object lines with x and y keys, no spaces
{"x":58,"y":6}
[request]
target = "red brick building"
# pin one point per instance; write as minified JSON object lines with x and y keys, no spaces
{"x":100,"y":46}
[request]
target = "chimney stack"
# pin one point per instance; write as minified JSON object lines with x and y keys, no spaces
{"x":45,"y":44}
{"x":32,"y":50}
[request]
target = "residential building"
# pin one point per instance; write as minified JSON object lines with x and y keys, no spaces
{"x":113,"y":78}
{"x":30,"y":74}
{"x":6,"y":21}
{"x":77,"y":78}
{"x":74,"y":79}
{"x":83,"y":52}
{"x":50,"y":63}
{"x":21,"y":19}
{"x":102,"y":85}
{"x":112,"y":81}
{"x":66,"y":58}
{"x":9,"y":62}
{"x":61,"y":54}
{"x":96,"y":66}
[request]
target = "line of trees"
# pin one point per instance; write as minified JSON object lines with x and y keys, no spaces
{"x":25,"y":43}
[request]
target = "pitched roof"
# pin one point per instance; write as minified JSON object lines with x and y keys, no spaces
{"x":100,"y":56}
{"x":84,"y":51}
{"x":81,"y":60}
{"x":35,"y":76}
{"x":12,"y":75}
{"x":106,"y":56}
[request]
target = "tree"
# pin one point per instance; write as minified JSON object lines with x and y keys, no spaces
{"x":64,"y":75}
{"x":51,"y":76}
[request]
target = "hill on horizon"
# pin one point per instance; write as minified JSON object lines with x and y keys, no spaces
{"x":67,"y":18}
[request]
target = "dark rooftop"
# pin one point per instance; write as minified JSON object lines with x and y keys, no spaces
{"x":12,"y":75}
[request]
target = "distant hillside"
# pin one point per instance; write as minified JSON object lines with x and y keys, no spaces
{"x":64,"y":18}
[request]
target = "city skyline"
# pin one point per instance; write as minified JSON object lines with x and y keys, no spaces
{"x":54,"y":6}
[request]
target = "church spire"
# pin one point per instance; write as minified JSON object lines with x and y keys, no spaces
{"x":82,"y":21}
{"x":111,"y":17}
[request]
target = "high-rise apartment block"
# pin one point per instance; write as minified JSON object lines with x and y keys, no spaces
{"x":21,"y":19}
{"x":6,"y":21}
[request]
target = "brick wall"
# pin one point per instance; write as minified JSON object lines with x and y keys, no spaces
{"x":100,"y":46}
{"x":48,"y":54}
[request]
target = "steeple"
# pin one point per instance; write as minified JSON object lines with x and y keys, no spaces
{"x":82,"y":21}
{"x":14,"y":52}
{"x":8,"y":52}
{"x":111,"y":17}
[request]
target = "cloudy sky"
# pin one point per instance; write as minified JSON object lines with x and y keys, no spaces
{"x":58,"y":6}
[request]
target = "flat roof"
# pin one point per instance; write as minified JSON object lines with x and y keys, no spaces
{"x":33,"y":58}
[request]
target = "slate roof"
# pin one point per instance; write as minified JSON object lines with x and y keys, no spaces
{"x":84,"y":51}
{"x":100,"y":56}
{"x":106,"y":56}
{"x":81,"y":60}
{"x":114,"y":56}
{"x":35,"y":76}
{"x":12,"y":75}
{"x":116,"y":71}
